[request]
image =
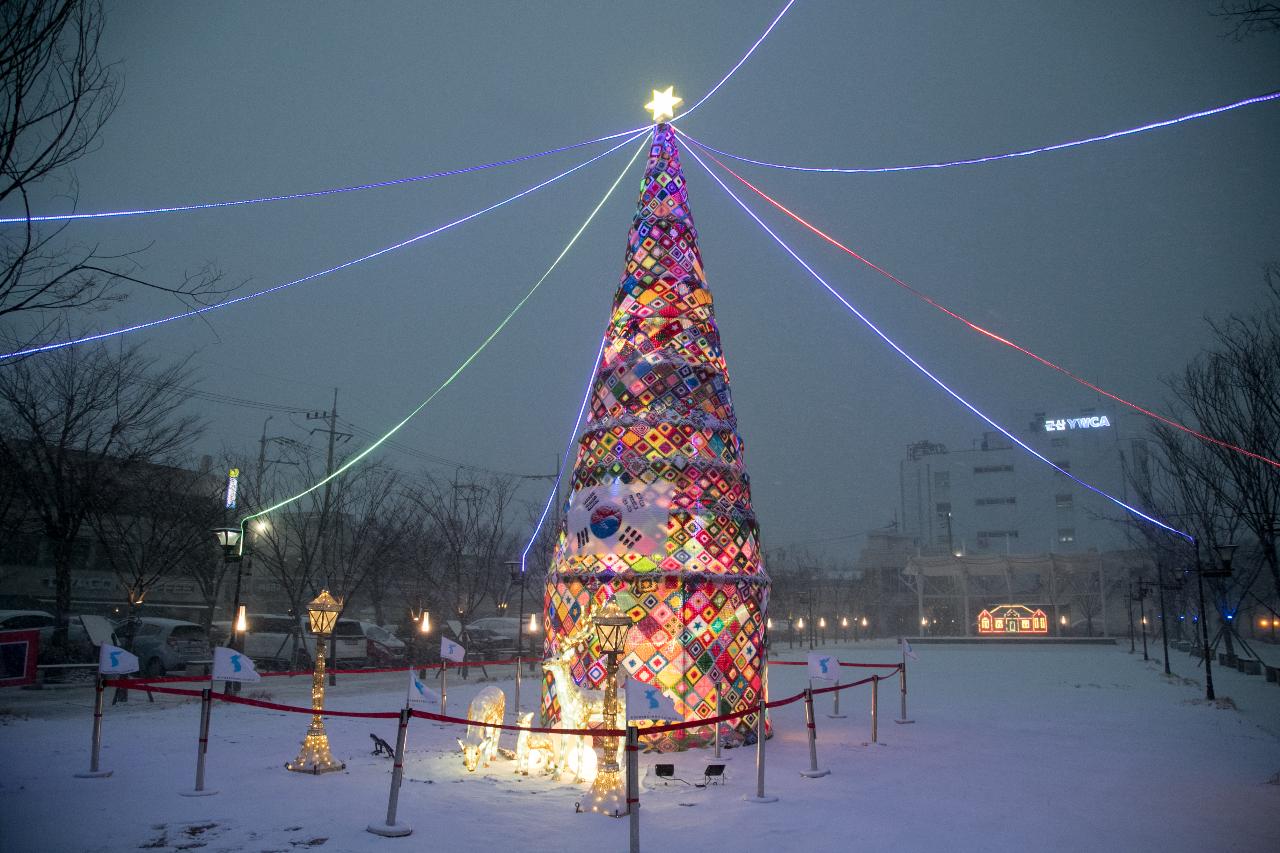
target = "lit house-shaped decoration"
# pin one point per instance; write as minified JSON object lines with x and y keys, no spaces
{"x":1013,"y":619}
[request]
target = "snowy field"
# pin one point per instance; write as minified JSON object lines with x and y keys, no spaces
{"x":1014,"y":747}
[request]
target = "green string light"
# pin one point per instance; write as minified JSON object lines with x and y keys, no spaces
{"x":346,"y":466}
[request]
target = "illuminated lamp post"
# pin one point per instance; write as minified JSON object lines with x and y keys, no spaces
{"x":315,"y":757}
{"x":822,"y":625}
{"x":844,"y":628}
{"x":606,"y":795}
{"x":864,"y":628}
{"x":517,"y":577}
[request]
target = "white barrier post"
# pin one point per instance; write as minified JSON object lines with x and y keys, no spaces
{"x":633,"y":787}
{"x":875,"y":708}
{"x":760,"y":796}
{"x":95,"y":748}
{"x":444,"y":688}
{"x":391,"y":829}
{"x":835,"y":706}
{"x":813,"y":772}
{"x":902,"y":688}
{"x":206,"y":703}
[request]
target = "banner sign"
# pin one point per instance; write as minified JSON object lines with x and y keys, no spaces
{"x":18,"y":653}
{"x":823,"y":667}
{"x":230,"y":665}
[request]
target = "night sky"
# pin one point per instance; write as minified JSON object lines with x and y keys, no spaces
{"x":1106,"y":258}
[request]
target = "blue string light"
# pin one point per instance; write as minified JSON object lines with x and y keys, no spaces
{"x":991,"y":158}
{"x":564,"y":463}
{"x":67,"y":217}
{"x":920,"y":367}
{"x":229,"y":302}
{"x":744,"y":58}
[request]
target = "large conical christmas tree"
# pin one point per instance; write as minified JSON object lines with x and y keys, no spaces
{"x":659,"y":514}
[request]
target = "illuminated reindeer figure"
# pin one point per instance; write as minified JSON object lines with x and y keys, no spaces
{"x":535,"y":752}
{"x":481,"y":743}
{"x":575,"y":758}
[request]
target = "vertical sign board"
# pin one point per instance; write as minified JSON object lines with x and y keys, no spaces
{"x":233,"y":478}
{"x":18,"y":652}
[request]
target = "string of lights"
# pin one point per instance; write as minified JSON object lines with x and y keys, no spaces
{"x":994,"y":157}
{"x":564,"y":463}
{"x":924,"y":370}
{"x":213,"y":205}
{"x":195,"y":312}
{"x":355,"y":460}
{"x":741,"y":61}
{"x":987,"y":332}
{"x":392,"y":182}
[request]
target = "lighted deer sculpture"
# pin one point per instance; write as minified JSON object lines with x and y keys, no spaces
{"x":579,"y":709}
{"x":535,"y":751}
{"x":481,"y":743}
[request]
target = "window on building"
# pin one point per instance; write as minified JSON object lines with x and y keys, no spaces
{"x":1059,"y":441}
{"x":1066,"y":534}
{"x":942,"y":479}
{"x":997,"y":534}
{"x":944,"y":509}
{"x":994,"y":501}
{"x":992,"y":469}
{"x":1064,"y":501}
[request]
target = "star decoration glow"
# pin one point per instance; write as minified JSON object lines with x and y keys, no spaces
{"x":663,"y":104}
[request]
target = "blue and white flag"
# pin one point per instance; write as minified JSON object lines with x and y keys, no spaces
{"x":230,"y":665}
{"x":449,"y":650}
{"x":906,"y":650}
{"x":420,"y":692}
{"x":648,"y":702}
{"x":823,"y":667}
{"x":113,"y":660}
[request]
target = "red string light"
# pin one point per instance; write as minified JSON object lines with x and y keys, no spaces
{"x":987,"y":332}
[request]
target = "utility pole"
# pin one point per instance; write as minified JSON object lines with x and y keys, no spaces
{"x":334,"y":435}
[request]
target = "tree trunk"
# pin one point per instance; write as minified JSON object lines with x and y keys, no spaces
{"x":61,"y":588}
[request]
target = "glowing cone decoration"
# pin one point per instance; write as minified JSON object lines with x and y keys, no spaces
{"x":659,"y":515}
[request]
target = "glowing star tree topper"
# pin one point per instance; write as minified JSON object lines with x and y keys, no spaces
{"x":663,"y":104}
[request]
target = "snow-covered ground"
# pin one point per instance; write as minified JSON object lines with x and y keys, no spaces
{"x":1014,"y":747}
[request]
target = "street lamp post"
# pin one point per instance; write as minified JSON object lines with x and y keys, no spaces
{"x":517,"y":577}
{"x":1143,"y":587}
{"x":606,"y":795}
{"x":314,"y":756}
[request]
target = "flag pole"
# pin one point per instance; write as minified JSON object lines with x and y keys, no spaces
{"x":95,"y":749}
{"x":391,"y":829}
{"x":206,"y":704}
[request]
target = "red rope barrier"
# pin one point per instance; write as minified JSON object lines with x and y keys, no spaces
{"x":842,"y":663}
{"x":131,"y":684}
{"x":298,"y":709}
{"x":164,"y":679}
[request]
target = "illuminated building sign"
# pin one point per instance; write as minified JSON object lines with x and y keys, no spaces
{"x":233,"y":478}
{"x":1013,"y":619}
{"x":1064,"y":424}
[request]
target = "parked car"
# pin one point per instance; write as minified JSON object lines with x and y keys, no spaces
{"x":281,"y":642}
{"x":383,"y":648}
{"x":80,"y":648}
{"x":163,"y":645}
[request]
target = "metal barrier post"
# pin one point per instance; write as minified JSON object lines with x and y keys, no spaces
{"x":206,"y":702}
{"x":813,"y":772}
{"x":517,"y":703}
{"x":444,"y":687}
{"x":95,"y":748}
{"x":760,"y":796}
{"x":633,"y":787}
{"x":902,"y":688}
{"x":835,"y":706}
{"x":391,"y":829}
{"x":875,"y":709}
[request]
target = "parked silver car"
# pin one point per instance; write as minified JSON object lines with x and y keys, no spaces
{"x":164,"y":645}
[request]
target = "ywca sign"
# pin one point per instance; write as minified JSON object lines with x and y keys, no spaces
{"x":1064,"y":424}
{"x":1013,"y":619}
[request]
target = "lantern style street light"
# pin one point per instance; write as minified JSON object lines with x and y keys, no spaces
{"x":315,"y":757}
{"x":606,"y":795}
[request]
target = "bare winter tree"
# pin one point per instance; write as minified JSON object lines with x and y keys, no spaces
{"x":470,"y":518}
{"x":155,"y":522}
{"x":1249,"y":17}
{"x":56,"y":96}
{"x":72,"y":424}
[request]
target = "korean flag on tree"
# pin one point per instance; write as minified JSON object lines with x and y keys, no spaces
{"x":449,"y":650}
{"x":823,"y":667}
{"x":113,"y":660}
{"x":231,"y":665}
{"x":648,"y":702}
{"x":619,"y":518}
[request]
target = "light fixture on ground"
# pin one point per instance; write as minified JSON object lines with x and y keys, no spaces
{"x":314,"y":756}
{"x":606,"y":795}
